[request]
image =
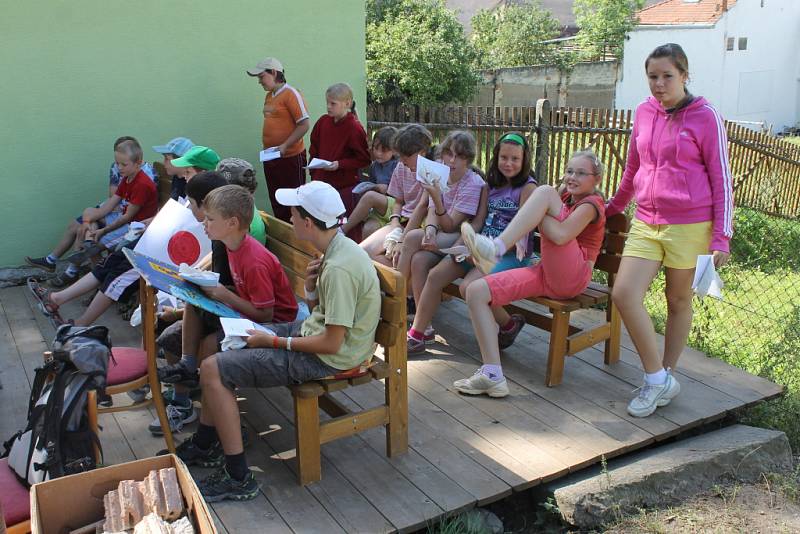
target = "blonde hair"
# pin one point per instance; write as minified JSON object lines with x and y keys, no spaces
{"x":231,"y":201}
{"x":341,"y":92}
{"x":460,"y":143}
{"x":588,"y":153}
{"x":131,"y":149}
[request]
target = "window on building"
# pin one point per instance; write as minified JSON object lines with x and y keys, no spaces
{"x":729,"y":44}
{"x":742,"y":43}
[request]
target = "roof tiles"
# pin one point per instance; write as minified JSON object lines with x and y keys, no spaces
{"x":683,"y":12}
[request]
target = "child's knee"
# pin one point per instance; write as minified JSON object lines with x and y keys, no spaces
{"x":478,"y":292}
{"x":209,"y":372}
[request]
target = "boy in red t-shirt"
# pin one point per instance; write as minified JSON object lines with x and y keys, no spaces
{"x":136,"y":193}
{"x":263,"y":293}
{"x":338,"y":137}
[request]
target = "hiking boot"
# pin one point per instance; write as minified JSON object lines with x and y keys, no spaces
{"x":479,"y":384}
{"x":506,"y":339}
{"x":415,"y":347}
{"x":63,"y":280}
{"x":191,"y":454}
{"x":178,"y":373}
{"x":219,"y":486}
{"x":41,"y":263}
{"x":140,"y":394}
{"x":653,"y":396}
{"x":177,"y":415}
{"x":483,"y":251}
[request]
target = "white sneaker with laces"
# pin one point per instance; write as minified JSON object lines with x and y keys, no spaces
{"x":483,"y":251}
{"x":651,"y":397}
{"x":480,"y":384}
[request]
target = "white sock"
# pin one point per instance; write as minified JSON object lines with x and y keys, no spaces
{"x":494,"y":372}
{"x":51,"y":258}
{"x":656,"y":379}
{"x":499,"y":247}
{"x":71,"y":270}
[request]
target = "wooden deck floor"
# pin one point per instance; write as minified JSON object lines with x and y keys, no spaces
{"x":464,"y":451}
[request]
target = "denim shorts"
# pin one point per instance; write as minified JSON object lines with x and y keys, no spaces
{"x":264,"y":368}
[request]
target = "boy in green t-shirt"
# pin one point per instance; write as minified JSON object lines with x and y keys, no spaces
{"x":343,"y":292}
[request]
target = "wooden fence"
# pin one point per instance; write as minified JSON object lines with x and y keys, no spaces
{"x":765,"y":169}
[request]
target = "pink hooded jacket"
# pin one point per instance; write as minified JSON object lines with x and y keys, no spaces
{"x":678,"y":169}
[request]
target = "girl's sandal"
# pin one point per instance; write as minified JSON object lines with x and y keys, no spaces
{"x":42,"y":294}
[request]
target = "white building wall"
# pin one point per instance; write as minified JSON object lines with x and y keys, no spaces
{"x":761,"y":83}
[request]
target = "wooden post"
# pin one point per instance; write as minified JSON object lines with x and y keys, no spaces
{"x":306,"y":419}
{"x":396,"y":388}
{"x":558,"y":348}
{"x":542,"y":127}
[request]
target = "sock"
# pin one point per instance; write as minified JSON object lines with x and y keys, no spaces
{"x":494,"y":372}
{"x":190,"y":362}
{"x":180,"y":397}
{"x":499,"y":246}
{"x":656,"y":379}
{"x":236,"y":465}
{"x":416,"y":334}
{"x":205,"y":436}
{"x":509,"y":326}
{"x":72,"y":270}
{"x":51,"y":259}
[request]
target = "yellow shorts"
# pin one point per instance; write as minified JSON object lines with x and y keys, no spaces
{"x":383,"y":218}
{"x":674,"y":245}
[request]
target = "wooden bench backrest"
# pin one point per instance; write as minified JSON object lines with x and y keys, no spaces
{"x":613,"y":244}
{"x":294,"y":256}
{"x":164,"y":183}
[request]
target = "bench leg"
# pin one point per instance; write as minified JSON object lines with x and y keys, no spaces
{"x":613,"y":342}
{"x":306,"y":424}
{"x":558,"y":348}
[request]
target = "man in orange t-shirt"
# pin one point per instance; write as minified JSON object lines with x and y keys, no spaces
{"x":285,"y":124}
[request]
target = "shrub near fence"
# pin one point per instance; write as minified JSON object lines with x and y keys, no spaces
{"x":757,"y":325}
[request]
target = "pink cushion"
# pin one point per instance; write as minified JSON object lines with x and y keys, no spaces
{"x":14,"y":496}
{"x":130,"y":364}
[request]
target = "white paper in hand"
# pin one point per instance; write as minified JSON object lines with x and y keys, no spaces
{"x":430,"y":172}
{"x":459,"y":252}
{"x":268,"y":154}
{"x":317,"y":163}
{"x":706,"y":280}
{"x":197,"y":276}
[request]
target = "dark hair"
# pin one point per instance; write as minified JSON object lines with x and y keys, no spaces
{"x":385,"y":137}
{"x":675,"y":54}
{"x":280,"y":77}
{"x":494,"y":177}
{"x":123,"y":139}
{"x":412,"y":139}
{"x":319,"y":224}
{"x":202,"y":184}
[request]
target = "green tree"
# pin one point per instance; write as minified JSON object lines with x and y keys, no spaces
{"x":603,"y":24}
{"x":512,"y":35}
{"x":417,"y":53}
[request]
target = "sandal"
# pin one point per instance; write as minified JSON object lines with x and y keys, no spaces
{"x":42,"y":294}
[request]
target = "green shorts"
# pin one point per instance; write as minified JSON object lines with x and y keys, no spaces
{"x":383,"y":218}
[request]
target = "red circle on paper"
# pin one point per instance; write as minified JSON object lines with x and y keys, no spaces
{"x":183,"y":247}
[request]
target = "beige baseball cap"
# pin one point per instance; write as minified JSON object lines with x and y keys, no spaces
{"x":269,"y":63}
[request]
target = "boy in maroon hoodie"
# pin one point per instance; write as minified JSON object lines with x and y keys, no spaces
{"x":339,"y":138}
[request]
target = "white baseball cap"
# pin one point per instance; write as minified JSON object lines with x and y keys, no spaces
{"x":319,"y":199}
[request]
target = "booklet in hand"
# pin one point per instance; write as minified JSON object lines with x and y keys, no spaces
{"x":432,"y":172}
{"x":268,"y":154}
{"x":317,"y":163}
{"x":706,"y":280}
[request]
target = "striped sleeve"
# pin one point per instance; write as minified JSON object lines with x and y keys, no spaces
{"x":296,"y":105}
{"x":714,"y":147}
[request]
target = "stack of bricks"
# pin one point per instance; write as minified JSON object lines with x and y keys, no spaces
{"x":158,"y":495}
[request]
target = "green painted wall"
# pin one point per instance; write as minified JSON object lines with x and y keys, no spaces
{"x":76,"y":75}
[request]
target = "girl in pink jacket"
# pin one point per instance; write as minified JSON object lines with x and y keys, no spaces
{"x":678,"y":172}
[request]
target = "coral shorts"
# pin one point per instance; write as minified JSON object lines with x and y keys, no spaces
{"x":674,"y":245}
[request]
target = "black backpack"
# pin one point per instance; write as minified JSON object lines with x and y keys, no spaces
{"x":57,"y":440}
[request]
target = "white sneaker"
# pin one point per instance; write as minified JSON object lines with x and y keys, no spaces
{"x":651,"y":397}
{"x":177,"y":417}
{"x":483,"y":251}
{"x":479,"y":384}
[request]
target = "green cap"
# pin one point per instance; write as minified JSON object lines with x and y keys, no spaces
{"x":198,"y":156}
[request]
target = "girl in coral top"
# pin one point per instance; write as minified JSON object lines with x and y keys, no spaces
{"x":678,"y":170}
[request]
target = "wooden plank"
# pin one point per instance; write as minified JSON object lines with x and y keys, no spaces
{"x":432,"y":444}
{"x":289,"y":257}
{"x":16,"y":388}
{"x":417,"y":469}
{"x":349,"y":424}
{"x":24,"y":329}
{"x":283,"y":232}
{"x":405,"y":506}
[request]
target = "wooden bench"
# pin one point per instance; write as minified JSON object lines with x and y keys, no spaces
{"x":312,"y":396}
{"x":567,"y":339}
